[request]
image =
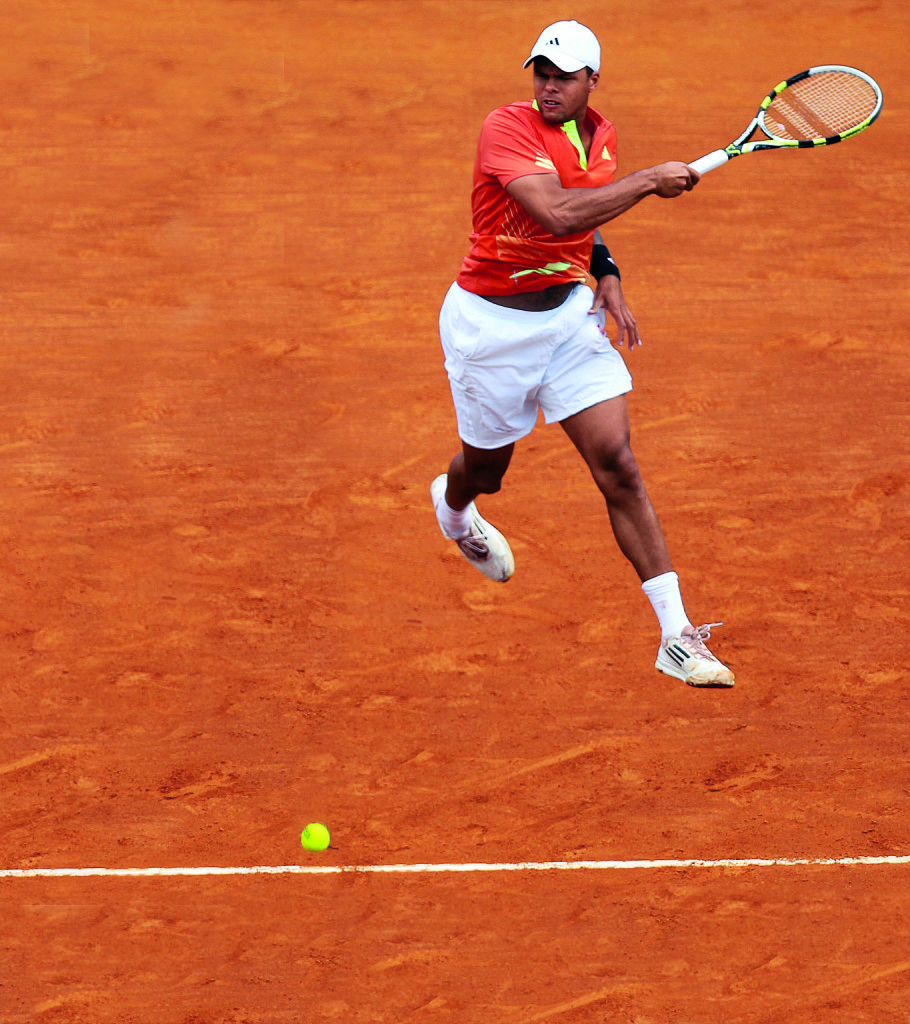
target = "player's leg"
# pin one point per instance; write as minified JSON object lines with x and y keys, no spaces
{"x":472,"y":472}
{"x":601,"y":434}
{"x":476,"y":471}
{"x":493,"y":367}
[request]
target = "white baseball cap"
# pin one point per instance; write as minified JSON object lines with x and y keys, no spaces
{"x":569,"y":45}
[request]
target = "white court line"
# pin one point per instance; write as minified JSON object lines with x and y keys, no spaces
{"x":557,"y":865}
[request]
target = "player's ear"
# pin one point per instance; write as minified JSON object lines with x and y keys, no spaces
{"x":593,"y":79}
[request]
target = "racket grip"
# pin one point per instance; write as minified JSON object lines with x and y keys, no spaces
{"x":707,"y":163}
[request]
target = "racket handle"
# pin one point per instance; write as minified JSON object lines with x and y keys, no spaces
{"x":707,"y":163}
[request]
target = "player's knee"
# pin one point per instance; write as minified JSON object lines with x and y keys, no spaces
{"x":484,"y":469}
{"x":487,"y":479}
{"x":617,"y":472}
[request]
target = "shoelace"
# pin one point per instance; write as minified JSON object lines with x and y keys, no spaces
{"x":474,"y":547}
{"x":700,"y":636}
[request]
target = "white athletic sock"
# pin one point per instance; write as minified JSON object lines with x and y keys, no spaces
{"x":455,"y":523}
{"x":666,"y":600}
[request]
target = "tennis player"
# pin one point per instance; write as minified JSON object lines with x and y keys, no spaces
{"x":523,"y":326}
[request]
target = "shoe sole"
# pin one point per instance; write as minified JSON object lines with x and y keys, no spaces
{"x":501,"y":563}
{"x":678,"y":673}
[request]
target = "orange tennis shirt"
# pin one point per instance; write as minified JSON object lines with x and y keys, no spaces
{"x":510,"y":252}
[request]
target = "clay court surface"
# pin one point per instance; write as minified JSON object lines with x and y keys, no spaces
{"x":225,"y":232}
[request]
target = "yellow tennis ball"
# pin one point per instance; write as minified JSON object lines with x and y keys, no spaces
{"x":315,"y":837}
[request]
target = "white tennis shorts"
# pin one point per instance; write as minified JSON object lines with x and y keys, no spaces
{"x":506,"y":364}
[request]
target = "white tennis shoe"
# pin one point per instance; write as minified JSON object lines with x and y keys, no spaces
{"x":687,"y":658}
{"x":484,"y":547}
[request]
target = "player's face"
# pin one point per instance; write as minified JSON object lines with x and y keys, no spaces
{"x":561,"y":95}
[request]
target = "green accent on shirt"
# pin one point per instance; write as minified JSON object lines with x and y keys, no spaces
{"x":573,"y":135}
{"x":550,"y":268}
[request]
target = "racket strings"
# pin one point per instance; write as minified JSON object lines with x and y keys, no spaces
{"x":823,"y":105}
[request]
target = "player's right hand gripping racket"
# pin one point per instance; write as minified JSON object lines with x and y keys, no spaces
{"x":817,"y":107}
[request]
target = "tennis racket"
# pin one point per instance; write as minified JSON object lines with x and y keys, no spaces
{"x":817,"y":107}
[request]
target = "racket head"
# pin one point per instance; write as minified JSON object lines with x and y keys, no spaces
{"x":820,"y":106}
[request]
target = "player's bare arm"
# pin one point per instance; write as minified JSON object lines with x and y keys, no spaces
{"x":567,"y":211}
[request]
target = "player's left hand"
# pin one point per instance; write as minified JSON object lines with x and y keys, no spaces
{"x":609,"y":297}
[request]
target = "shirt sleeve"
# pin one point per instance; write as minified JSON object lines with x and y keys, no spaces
{"x":509,"y":148}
